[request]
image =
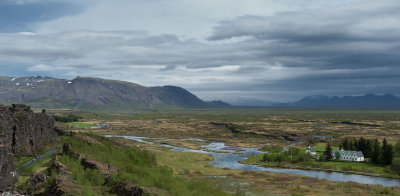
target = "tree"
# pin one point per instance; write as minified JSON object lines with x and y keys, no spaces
{"x":337,"y":155}
{"x":376,"y":150}
{"x":397,"y":149}
{"x":361,"y":144}
{"x":367,"y":149}
{"x":345,"y":144}
{"x":355,"y":144}
{"x":328,"y":152}
{"x":266,"y":158}
{"x":396,"y":165}
{"x":351,"y":146}
{"x":387,"y":153}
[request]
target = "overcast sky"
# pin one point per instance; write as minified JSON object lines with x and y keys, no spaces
{"x":266,"y":49}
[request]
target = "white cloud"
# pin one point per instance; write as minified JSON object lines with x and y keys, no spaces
{"x":26,"y":33}
{"x":41,"y":67}
{"x":183,"y":18}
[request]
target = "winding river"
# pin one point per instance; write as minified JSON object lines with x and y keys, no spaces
{"x":229,"y":157}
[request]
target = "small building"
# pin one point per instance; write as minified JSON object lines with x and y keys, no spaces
{"x":346,"y":155}
{"x":105,"y":126}
{"x":311,"y":151}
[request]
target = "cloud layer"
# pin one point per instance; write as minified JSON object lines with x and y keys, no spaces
{"x":291,"y":50}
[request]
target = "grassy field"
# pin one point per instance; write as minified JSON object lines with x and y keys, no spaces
{"x":297,"y":121}
{"x":80,"y":125}
{"x":132,"y":164}
{"x":196,"y":166}
{"x":268,"y":127}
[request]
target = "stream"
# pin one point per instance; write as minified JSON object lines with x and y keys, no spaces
{"x":229,"y":157}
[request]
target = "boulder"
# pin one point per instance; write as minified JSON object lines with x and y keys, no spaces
{"x":56,"y":187}
{"x":55,"y":166}
{"x":38,"y":178}
{"x":102,"y":167}
{"x":126,"y":188}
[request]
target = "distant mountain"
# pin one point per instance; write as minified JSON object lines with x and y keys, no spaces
{"x":244,"y":101}
{"x":386,"y":101}
{"x":94,"y":94}
{"x":219,"y":104}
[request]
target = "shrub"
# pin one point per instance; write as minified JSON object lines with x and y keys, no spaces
{"x":396,"y":165}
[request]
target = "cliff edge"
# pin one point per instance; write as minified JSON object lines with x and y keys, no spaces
{"x":22,"y":133}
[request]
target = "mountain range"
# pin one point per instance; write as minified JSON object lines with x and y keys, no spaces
{"x":245,"y":101}
{"x":373,"y":101}
{"x":94,"y":94}
{"x":87,"y":93}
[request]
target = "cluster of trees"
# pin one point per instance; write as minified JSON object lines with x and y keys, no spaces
{"x":379,"y":152}
{"x":293,"y":155}
{"x":68,"y":118}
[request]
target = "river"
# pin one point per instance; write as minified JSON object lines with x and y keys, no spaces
{"x":229,"y":157}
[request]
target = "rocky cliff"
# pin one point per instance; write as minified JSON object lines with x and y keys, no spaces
{"x":7,"y":169}
{"x":22,"y":133}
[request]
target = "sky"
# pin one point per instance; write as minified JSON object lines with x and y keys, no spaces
{"x":263,"y":49}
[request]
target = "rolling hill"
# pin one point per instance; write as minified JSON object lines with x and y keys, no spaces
{"x":94,"y":94}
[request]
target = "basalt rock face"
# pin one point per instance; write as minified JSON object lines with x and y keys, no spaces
{"x":7,"y":174}
{"x":24,"y":132}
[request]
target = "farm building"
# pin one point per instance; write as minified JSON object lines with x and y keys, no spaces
{"x":345,"y":155}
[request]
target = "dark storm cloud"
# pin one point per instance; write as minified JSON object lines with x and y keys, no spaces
{"x":345,"y":49}
{"x":323,"y":39}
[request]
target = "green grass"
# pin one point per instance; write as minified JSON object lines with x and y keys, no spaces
{"x":20,"y":160}
{"x":272,"y":149}
{"x":80,"y":125}
{"x":26,"y":172}
{"x":133,"y":165}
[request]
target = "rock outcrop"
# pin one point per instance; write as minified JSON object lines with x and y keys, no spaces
{"x":38,"y":179}
{"x":126,"y":188}
{"x":240,"y":129}
{"x":102,"y":167}
{"x":8,"y":175}
{"x":22,"y":133}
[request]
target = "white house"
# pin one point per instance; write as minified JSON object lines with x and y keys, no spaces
{"x":311,"y":151}
{"x":345,"y":155}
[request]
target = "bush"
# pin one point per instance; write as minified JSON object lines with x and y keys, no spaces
{"x":396,"y":165}
{"x":293,"y":155}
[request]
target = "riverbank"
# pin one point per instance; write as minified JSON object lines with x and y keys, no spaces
{"x":230,"y":160}
{"x":193,"y":165}
{"x":340,"y":167}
